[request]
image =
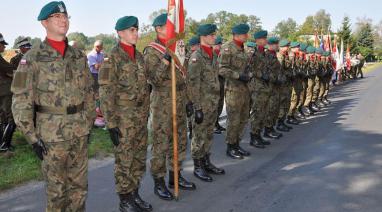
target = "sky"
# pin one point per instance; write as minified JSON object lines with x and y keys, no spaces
{"x":92,"y":17}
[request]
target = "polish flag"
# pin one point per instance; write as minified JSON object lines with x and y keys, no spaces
{"x":175,"y":29}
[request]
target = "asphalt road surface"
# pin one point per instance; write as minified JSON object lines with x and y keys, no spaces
{"x":331,"y":162}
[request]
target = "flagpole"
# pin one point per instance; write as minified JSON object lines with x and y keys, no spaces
{"x":174,"y":131}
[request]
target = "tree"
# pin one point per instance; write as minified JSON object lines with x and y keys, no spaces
{"x":80,"y":38}
{"x":286,"y":28}
{"x":365,"y":40}
{"x":307,"y":28}
{"x":322,"y":20}
{"x":345,"y":33}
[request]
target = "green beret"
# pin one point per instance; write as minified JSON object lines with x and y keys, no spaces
{"x":240,"y":29}
{"x":126,"y":22}
{"x":51,"y":8}
{"x":284,"y":43}
{"x":310,"y":50}
{"x":218,"y":40}
{"x":303,"y":47}
{"x":319,"y":51}
{"x":260,"y":34}
{"x":326,"y":54}
{"x":251,"y":44}
{"x":273,"y":40}
{"x":194,"y":41}
{"x":294,"y":44}
{"x":160,"y":20}
{"x":206,"y":29}
{"x":266,"y":46}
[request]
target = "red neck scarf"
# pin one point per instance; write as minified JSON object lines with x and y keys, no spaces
{"x":261,"y":49}
{"x":217,"y":51}
{"x":208,"y":50}
{"x":162,"y":41}
{"x":59,"y":46}
{"x":239,"y":43}
{"x":130,"y":50}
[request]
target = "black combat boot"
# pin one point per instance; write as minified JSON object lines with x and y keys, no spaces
{"x":269,"y":134}
{"x":7,"y":136}
{"x":242,"y":151}
{"x":306,"y":111}
{"x":313,"y":107}
{"x":211,"y":168}
{"x":161,"y":190}
{"x":299,"y":115}
{"x":275,"y":132}
{"x":200,"y":172}
{"x":143,"y":205}
{"x":321,"y":104}
{"x":233,"y":152}
{"x":182,"y":182}
{"x":283,"y":123}
{"x":281,"y":126}
{"x":257,"y":141}
{"x":327,"y":100}
{"x":127,"y":203}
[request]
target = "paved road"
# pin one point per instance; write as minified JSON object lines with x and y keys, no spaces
{"x":332,"y":162}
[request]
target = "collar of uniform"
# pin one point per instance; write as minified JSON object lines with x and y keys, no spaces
{"x":127,"y":56}
{"x":54,"y":53}
{"x":208,"y":51}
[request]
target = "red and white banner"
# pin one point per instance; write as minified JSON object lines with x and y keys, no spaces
{"x":175,"y":29}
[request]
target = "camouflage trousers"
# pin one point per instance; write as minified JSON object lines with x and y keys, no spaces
{"x":237,"y":107}
{"x":309,"y":91}
{"x":203,"y":132}
{"x":324,"y":87}
{"x":303,"y":92}
{"x":274,"y":105}
{"x":327,"y":85}
{"x":5,"y":109}
{"x":221,"y":97}
{"x":130,"y":154}
{"x":295,"y":98}
{"x":260,"y":106}
{"x":162,"y":147}
{"x":285,"y":97}
{"x":317,"y":88}
{"x":65,"y":170}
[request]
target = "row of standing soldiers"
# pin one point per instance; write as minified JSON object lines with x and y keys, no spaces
{"x":53,"y":104}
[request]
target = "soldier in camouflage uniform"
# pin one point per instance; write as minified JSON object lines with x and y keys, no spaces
{"x":233,"y":66}
{"x":318,"y":80}
{"x":157,"y":62}
{"x":360,"y":65}
{"x":297,"y":81}
{"x":308,"y":108}
{"x":304,"y":78}
{"x":124,"y":94}
{"x":264,"y":76}
{"x":53,"y":105}
{"x":328,"y":78}
{"x":7,"y":125}
{"x":325,"y":79}
{"x":276,"y":86}
{"x":205,"y":89}
{"x":193,"y":44}
{"x":285,"y":88}
{"x":218,"y":128}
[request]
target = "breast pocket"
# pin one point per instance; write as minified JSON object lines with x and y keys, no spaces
{"x":127,"y":82}
{"x":239,"y":61}
{"x":49,"y":77}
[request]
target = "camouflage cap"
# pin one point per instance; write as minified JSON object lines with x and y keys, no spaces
{"x":51,"y":8}
{"x":24,"y":43}
{"x":126,"y":22}
{"x":160,"y":20}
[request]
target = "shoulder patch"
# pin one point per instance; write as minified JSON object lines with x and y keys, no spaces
{"x":194,"y":60}
{"x":23,"y":62}
{"x":226,"y":49}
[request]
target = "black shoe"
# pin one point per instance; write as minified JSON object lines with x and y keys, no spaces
{"x":287,"y":126}
{"x":161,"y":190}
{"x":242,"y":151}
{"x":327,"y":100}
{"x":269,"y":134}
{"x":292,"y":120}
{"x":143,"y":205}
{"x":315,"y":106}
{"x":320,"y":104}
{"x":127,"y":203}
{"x":275,"y":132}
{"x":305,"y":111}
{"x":200,"y":172}
{"x":233,"y":152}
{"x":7,"y":135}
{"x":299,"y":115}
{"x":217,"y":131}
{"x":312,"y":108}
{"x":211,"y":168}
{"x":281,"y":127}
{"x":257,"y":141}
{"x":183,"y":183}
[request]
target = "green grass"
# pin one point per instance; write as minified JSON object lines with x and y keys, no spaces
{"x":371,"y":67}
{"x":22,"y":165}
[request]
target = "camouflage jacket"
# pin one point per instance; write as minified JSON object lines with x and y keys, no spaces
{"x":286,"y":66}
{"x":278,"y":76}
{"x":16,"y":59}
{"x":203,"y":79}
{"x":45,"y":79}
{"x":321,"y":63}
{"x":233,"y":61}
{"x":6,"y":72}
{"x":124,"y":87}
{"x":159,"y":73}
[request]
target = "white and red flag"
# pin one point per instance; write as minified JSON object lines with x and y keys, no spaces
{"x":175,"y":30}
